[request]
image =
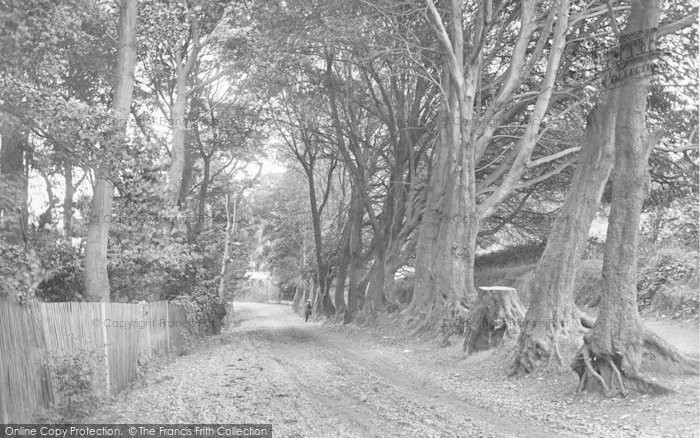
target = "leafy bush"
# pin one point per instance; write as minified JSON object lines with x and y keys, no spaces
{"x":669,"y":277}
{"x":64,"y":264}
{"x":205,"y":311}
{"x":21,"y":271}
{"x":675,"y":223}
{"x":152,"y":272}
{"x":75,"y":377}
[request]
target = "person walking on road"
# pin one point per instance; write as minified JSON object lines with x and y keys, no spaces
{"x":307,"y":310}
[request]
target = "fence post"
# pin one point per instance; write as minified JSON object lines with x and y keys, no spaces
{"x":103,"y":314}
{"x":167,"y":326}
{"x":149,"y":328}
{"x":42,"y":314}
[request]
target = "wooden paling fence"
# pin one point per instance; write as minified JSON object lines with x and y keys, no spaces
{"x":118,"y":335}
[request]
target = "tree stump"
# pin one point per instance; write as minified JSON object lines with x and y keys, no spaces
{"x":496,"y":313}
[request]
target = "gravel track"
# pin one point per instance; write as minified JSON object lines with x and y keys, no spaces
{"x":310,"y":380}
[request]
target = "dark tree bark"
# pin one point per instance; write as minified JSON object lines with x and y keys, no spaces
{"x":552,"y":313}
{"x":374,"y":298}
{"x":446,"y":247}
{"x":447,"y":235}
{"x":452,"y":218}
{"x":322,"y":273}
{"x":611,"y":358}
{"x":298,"y":296}
{"x":202,"y":197}
{"x":178,"y":153}
{"x":425,"y":298}
{"x":343,"y":263}
{"x":13,"y":185}
{"x":401,"y":103}
{"x":355,"y":256}
{"x":46,"y":217}
{"x":186,"y":177}
{"x":186,"y":59}
{"x":96,"y":277}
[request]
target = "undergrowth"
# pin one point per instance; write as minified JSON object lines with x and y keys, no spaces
{"x":667,"y":280}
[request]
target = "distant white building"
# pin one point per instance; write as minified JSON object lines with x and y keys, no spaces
{"x":257,"y":275}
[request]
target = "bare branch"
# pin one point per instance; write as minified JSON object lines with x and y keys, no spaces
{"x":553,"y":157}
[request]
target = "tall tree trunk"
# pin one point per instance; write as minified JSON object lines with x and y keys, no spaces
{"x":180,"y":158}
{"x":552,"y":313}
{"x":306,"y":289}
{"x":355,"y":254}
{"x":445,"y":251}
{"x":610,"y":359}
{"x":186,"y":177}
{"x":464,"y":226}
{"x":202,"y":199}
{"x":324,"y":299}
{"x":68,"y":200}
{"x":390,"y":291}
{"x":96,"y":278}
{"x":13,"y":186}
{"x":343,"y":251}
{"x":424,"y":293}
{"x":177,"y":150}
{"x":315,"y":293}
{"x":374,"y":299}
{"x":302,"y":269}
{"x":46,"y":217}
{"x":447,"y":260}
{"x":298,"y":296}
{"x":230,"y":224}
{"x":17,"y":284}
{"x":343,"y":262}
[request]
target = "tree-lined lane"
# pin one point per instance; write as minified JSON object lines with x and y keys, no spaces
{"x":274,"y":368}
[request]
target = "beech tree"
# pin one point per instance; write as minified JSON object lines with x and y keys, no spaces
{"x":183,"y":41}
{"x":611,"y":358}
{"x":296,"y":123}
{"x":403,"y":104}
{"x":552,"y":316}
{"x":96,"y":278}
{"x":457,"y":204}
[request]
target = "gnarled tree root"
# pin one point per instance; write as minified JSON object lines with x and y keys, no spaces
{"x":454,"y":323}
{"x":666,"y":352}
{"x":536,"y":348}
{"x":604,"y":371}
{"x":539,"y":344}
{"x":497,"y":313}
{"x":425,"y":322}
{"x":604,"y":374}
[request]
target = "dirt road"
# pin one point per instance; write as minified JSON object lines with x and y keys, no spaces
{"x":312,"y":381}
